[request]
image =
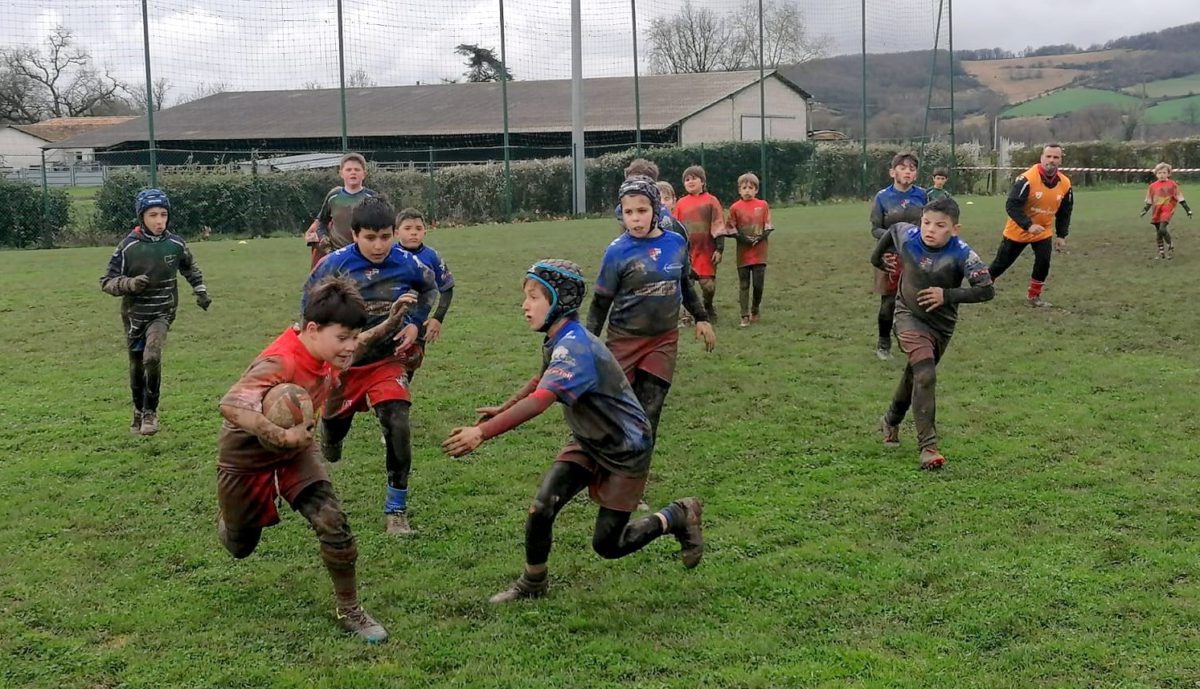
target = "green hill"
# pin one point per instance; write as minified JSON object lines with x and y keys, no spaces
{"x":1070,"y":100}
{"x":1167,"y":88}
{"x":1185,"y":110}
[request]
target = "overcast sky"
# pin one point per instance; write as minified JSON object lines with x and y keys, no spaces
{"x":264,"y":44}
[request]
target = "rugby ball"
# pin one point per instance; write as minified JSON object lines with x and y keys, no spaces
{"x":287,"y":405}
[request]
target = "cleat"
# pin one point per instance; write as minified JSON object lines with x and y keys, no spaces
{"x":397,"y":524}
{"x":523,"y":587}
{"x":891,"y":434}
{"x":883,"y":353}
{"x":1037,"y":302}
{"x":149,"y":423}
{"x":931,"y":459}
{"x":136,"y":427}
{"x":745,"y":322}
{"x":356,"y":621}
{"x":689,"y":532}
{"x":754,"y":318}
{"x":332,"y":452}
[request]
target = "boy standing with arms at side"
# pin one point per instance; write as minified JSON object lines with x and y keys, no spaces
{"x":259,"y":462}
{"x":900,"y":202}
{"x":935,"y":263}
{"x":331,"y":229}
{"x":938,"y":192}
{"x":378,"y":378}
{"x":751,"y":217}
{"x":142,"y":272}
{"x":701,"y":212}
{"x":612,"y":444}
{"x":410,"y":231}
{"x":1163,"y":195}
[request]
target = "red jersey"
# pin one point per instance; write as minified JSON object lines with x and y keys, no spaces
{"x":705,"y":219}
{"x":1164,"y":195}
{"x":286,"y":360}
{"x":751,"y":218}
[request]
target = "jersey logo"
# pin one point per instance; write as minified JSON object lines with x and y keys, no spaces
{"x":655,"y":253}
{"x":371,"y":273}
{"x":169,"y":259}
{"x":926,"y":263}
{"x":1037,"y":195}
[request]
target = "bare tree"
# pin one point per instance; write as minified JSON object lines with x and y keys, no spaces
{"x":693,"y":40}
{"x":700,"y":40}
{"x":786,"y":40}
{"x":158,"y":94}
{"x":482,"y":63}
{"x":1098,"y":120}
{"x":56,"y":81}
{"x":360,"y":79}
{"x":205,"y":89}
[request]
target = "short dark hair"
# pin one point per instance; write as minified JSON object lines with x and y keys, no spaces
{"x":941,"y":172}
{"x":947,"y":205}
{"x":1052,"y":145}
{"x":696,"y":171}
{"x":409,"y":214}
{"x":905,"y":157}
{"x":374,"y":213}
{"x":335,"y":301}
{"x":643,"y":167}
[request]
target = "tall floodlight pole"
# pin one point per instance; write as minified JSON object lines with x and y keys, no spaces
{"x":950,"y":43}
{"x":149,"y":97}
{"x":637,"y":92}
{"x":577,"y":150}
{"x":504,"y":105}
{"x":862,"y":179}
{"x":762,"y":101}
{"x":342,"y":75}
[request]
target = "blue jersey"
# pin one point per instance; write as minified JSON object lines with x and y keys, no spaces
{"x":891,"y":206}
{"x":944,"y":267}
{"x":379,"y":283}
{"x":644,"y":279}
{"x":429,"y":258}
{"x":601,"y":410}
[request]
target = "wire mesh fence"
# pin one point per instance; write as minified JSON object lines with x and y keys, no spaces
{"x":461,"y":106}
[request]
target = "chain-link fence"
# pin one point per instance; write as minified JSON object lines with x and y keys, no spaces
{"x":462,"y":107}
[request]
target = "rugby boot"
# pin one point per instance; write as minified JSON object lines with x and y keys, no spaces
{"x":884,"y":349}
{"x":891,"y":434}
{"x":523,"y":587}
{"x":1037,"y":302}
{"x":136,"y":427}
{"x":149,"y":423}
{"x":931,"y":459}
{"x":356,"y":621}
{"x":689,"y":533}
{"x":397,"y":524}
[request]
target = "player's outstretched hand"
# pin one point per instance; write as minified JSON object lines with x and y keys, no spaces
{"x":931,"y":297}
{"x":295,"y":438}
{"x":138,"y":284}
{"x":203,"y":300}
{"x":716,"y":258}
{"x":706,"y":334}
{"x":463,"y":440}
{"x":1060,"y":243}
{"x":486,"y":413}
{"x":403,"y":304}
{"x":433,"y":330}
{"x":405,"y":338}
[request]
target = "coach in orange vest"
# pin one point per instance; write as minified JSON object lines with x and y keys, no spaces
{"x":1040,"y":197}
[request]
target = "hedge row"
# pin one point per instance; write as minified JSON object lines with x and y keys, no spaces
{"x":797,"y":172}
{"x":21,"y":223}
{"x":1117,"y":154}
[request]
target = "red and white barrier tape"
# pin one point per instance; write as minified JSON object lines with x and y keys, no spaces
{"x":1082,"y":169}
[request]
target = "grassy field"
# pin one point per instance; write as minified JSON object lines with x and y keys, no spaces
{"x":1167,"y":88}
{"x":1070,"y":100}
{"x":1185,"y":109}
{"x":1057,"y":549}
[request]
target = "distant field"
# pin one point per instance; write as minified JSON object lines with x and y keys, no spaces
{"x":1167,"y":88}
{"x":1177,"y":110}
{"x":1022,"y":78}
{"x":1070,"y":100}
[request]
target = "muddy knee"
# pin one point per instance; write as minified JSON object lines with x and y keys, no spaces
{"x":925,"y":373}
{"x":239,"y":542}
